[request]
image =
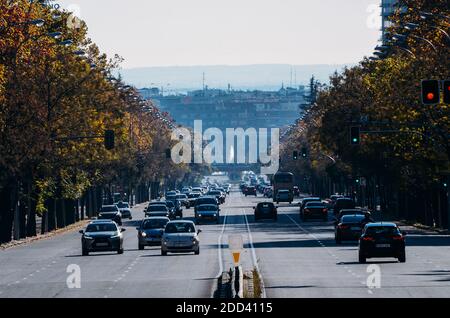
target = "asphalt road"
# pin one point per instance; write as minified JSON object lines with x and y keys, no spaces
{"x":296,"y":259}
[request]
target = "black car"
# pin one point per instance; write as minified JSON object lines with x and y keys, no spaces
{"x":125,"y":210}
{"x":251,"y":190}
{"x":218,"y":194}
{"x":110,"y":212}
{"x":206,"y":200}
{"x":102,"y":236}
{"x":349,"y":228}
{"x":178,"y":208}
{"x":306,"y":201}
{"x":343,"y":203}
{"x":345,"y":212}
{"x":382,"y":240}
{"x":314,"y":210}
{"x":192,"y":197}
{"x":150,"y":231}
{"x":158,"y":210}
{"x":266,"y":210}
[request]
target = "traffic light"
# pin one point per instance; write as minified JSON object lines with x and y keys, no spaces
{"x":355,"y":135}
{"x":295,"y":155}
{"x":304,"y":153}
{"x":109,"y":139}
{"x":430,"y":92}
{"x":447,"y":91}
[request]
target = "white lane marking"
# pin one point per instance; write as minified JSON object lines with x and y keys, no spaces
{"x":219,"y":243}
{"x":255,"y":260}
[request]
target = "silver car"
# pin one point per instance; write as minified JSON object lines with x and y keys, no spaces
{"x":207,"y":212}
{"x":150,"y":231}
{"x":180,"y":237}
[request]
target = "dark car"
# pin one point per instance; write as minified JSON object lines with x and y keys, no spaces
{"x":218,"y":194}
{"x":158,"y":210}
{"x":110,"y":212}
{"x":192,"y":198}
{"x":205,"y":200}
{"x":343,"y":203}
{"x":125,"y":210}
{"x":174,"y":209}
{"x":314,"y":210}
{"x":382,"y":240}
{"x":207,"y":212}
{"x":345,"y":212}
{"x":306,"y":201}
{"x":183,"y":198}
{"x":250,"y":190}
{"x":266,"y":210}
{"x":102,"y":236}
{"x":349,"y":228}
{"x":178,"y":208}
{"x":150,"y":231}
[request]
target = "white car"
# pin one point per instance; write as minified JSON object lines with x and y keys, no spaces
{"x":180,"y":237}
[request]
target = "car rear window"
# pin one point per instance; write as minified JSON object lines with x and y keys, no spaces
{"x":382,"y":231}
{"x":352,"y":218}
{"x":315,"y":204}
{"x":157,"y":208}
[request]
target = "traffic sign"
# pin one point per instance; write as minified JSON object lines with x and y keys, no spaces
{"x":236,"y":245}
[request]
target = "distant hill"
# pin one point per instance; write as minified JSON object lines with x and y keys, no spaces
{"x":263,"y":77}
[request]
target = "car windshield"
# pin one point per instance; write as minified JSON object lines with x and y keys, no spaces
{"x":315,"y":205}
{"x":193,"y":195}
{"x":352,"y":219}
{"x":382,"y":231}
{"x":207,"y":208}
{"x":181,"y":196}
{"x":180,"y":227}
{"x":214,"y":193}
{"x":101,"y":227}
{"x":109,"y":209}
{"x":154,"y":224}
{"x":206,"y":201}
{"x":345,"y":203}
{"x":171,"y":197}
{"x":157,"y":208}
{"x":123,"y":205}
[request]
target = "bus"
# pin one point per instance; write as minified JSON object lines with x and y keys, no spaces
{"x":283,"y":181}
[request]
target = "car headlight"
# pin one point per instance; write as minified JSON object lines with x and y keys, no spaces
{"x":143,"y":234}
{"x":88,"y":237}
{"x":199,"y":215}
{"x":115,"y":236}
{"x":194,"y":240}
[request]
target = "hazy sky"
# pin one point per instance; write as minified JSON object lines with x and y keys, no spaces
{"x":212,"y":32}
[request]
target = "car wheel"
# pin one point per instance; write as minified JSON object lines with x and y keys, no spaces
{"x":85,"y":252}
{"x":141,"y":247}
{"x":338,"y":240}
{"x":402,"y":258}
{"x":197,"y":252}
{"x":120,"y":251}
{"x":362,"y":259}
{"x":163,"y":253}
{"x":130,"y":218}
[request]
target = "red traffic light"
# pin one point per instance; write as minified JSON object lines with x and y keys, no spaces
{"x":447,"y":92}
{"x":430,"y":92}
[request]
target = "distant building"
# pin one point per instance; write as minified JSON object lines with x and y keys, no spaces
{"x":224,"y":109}
{"x":149,"y":93}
